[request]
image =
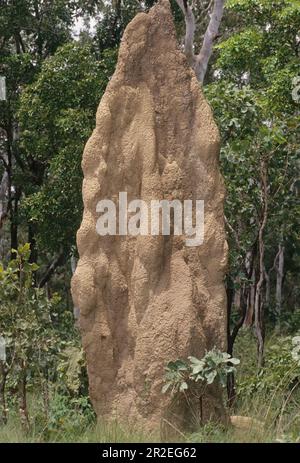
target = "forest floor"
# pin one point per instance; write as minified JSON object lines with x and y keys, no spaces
{"x":271,"y":398}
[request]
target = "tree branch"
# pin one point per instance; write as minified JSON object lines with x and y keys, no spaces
{"x":4,"y":187}
{"x":234,"y":233}
{"x":57,"y":262}
{"x":258,"y":304}
{"x":210,"y":35}
{"x":200,"y":62}
{"x":189,"y":30}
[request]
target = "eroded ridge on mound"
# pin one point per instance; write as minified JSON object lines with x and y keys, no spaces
{"x":147,"y":300}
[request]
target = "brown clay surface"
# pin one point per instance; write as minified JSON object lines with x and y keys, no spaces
{"x":147,"y":300}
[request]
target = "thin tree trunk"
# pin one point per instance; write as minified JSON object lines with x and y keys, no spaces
{"x":200,"y":62}
{"x":3,"y":197}
{"x":3,"y":409}
{"x":57,"y":262}
{"x":268,"y":280}
{"x":14,"y":221}
{"x":189,"y":31}
{"x":33,"y":249}
{"x":32,"y":241}
{"x":258,"y":303}
{"x":268,"y":288}
{"x":251,"y":300}
{"x":5,"y":186}
{"x":22,"y":387}
{"x":243,"y":306}
{"x":279,"y":281}
{"x":45,"y":395}
{"x":209,"y":38}
{"x":76,"y":310}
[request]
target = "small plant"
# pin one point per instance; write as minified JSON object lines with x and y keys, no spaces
{"x":280,"y":373}
{"x":25,"y":325}
{"x":196,"y":375}
{"x":34,"y":333}
{"x":214,"y":366}
{"x":71,"y":371}
{"x":68,"y":415}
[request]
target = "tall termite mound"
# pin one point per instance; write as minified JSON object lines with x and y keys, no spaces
{"x":146,"y":300}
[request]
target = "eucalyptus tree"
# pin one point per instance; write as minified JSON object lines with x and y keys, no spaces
{"x":30,"y":31}
{"x":214,"y":11}
{"x":252,"y":97}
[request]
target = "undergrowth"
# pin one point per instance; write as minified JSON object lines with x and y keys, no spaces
{"x":270,"y":397}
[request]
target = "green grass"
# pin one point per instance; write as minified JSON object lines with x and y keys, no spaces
{"x":258,"y":408}
{"x":100,"y":433}
{"x":211,"y":433}
{"x":275,"y":405}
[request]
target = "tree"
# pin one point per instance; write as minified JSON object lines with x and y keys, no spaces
{"x":259,"y":121}
{"x":27,"y":325}
{"x":199,"y":62}
{"x":113,"y":20}
{"x":30,"y":31}
{"x":56,"y":116}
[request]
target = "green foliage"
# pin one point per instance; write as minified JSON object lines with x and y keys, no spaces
{"x":296,"y":349}
{"x":113,"y":21}
{"x":281,"y":371}
{"x":252,"y":99}
{"x":213,"y":367}
{"x":67,"y":415}
{"x":176,"y":375}
{"x":54,"y":85}
{"x":66,"y":418}
{"x":57,"y":115}
{"x":210,"y":432}
{"x":71,"y":370}
{"x":279,"y":415}
{"x":51,"y":20}
{"x":290,"y":322}
{"x":41,"y":342}
{"x":25,"y":318}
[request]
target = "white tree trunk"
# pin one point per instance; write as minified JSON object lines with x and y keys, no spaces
{"x":209,"y":38}
{"x":189,"y":31}
{"x":200,"y":62}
